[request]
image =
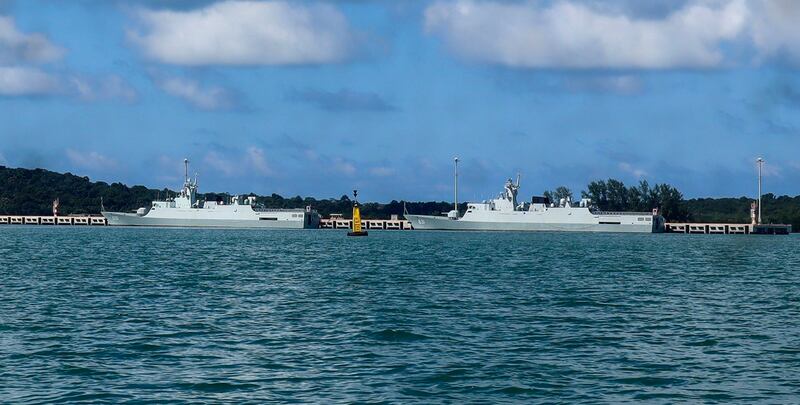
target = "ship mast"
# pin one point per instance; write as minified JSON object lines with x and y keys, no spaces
{"x":455,"y":190}
{"x":186,"y":170}
{"x":760,"y":162}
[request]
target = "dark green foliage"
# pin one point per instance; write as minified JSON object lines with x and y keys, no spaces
{"x":31,"y":192}
{"x":558,"y":194}
{"x":775,"y":210}
{"x":613,"y":195}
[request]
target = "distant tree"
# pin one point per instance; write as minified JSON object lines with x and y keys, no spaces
{"x":597,"y":191}
{"x":617,"y":195}
{"x":559,"y":193}
{"x":613,"y":195}
{"x":31,"y":192}
{"x":670,"y":202}
{"x":563,"y":192}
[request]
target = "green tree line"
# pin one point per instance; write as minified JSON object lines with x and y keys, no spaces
{"x":31,"y":192}
{"x":613,"y":195}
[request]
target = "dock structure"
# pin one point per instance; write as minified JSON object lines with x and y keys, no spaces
{"x":52,"y":220}
{"x":337,"y":222}
{"x":727,"y":229}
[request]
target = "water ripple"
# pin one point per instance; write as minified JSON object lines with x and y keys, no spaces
{"x":109,"y":315}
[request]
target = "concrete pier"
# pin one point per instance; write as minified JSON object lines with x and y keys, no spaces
{"x":727,"y":229}
{"x":387,"y":224}
{"x":51,"y":220}
{"x":325,"y":223}
{"x":395,"y":223}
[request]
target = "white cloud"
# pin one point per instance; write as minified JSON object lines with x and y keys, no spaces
{"x":569,"y":34}
{"x":208,"y":98}
{"x":245,"y":33}
{"x":223,"y":165}
{"x":238,"y":163}
{"x":256,"y":160}
{"x":768,"y":169}
{"x":776,"y":28}
{"x":90,"y":160}
{"x":17,"y":47}
{"x":381,"y":171}
{"x":620,"y":84}
{"x":108,"y":88}
{"x":342,"y":166}
{"x":25,"y":81}
{"x":630,"y":169}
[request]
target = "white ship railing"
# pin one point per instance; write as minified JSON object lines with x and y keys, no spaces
{"x":621,"y":213}
{"x":278,"y":209}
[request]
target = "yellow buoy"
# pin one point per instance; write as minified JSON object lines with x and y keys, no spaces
{"x":357,"y":231}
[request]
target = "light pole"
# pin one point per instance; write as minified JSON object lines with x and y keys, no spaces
{"x":760,"y":164}
{"x":455,"y":190}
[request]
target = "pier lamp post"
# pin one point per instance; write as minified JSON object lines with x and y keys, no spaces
{"x":760,"y":164}
{"x":455,"y":192}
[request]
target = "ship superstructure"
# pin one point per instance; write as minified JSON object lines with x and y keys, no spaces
{"x":504,"y":213}
{"x":186,"y":210}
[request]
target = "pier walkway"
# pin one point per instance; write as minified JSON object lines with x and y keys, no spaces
{"x":727,"y":229}
{"x":402,"y":225}
{"x":51,"y":220}
{"x":388,"y":224}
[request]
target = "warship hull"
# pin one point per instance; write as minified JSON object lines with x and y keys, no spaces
{"x":186,"y":210}
{"x":429,"y":222}
{"x":301,"y":221}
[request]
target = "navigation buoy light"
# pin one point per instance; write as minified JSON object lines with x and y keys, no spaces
{"x":357,"y":231}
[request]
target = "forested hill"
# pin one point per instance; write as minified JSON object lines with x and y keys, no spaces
{"x":31,"y":192}
{"x":776,"y":210}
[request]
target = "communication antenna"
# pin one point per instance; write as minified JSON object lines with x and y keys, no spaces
{"x":455,"y":192}
{"x":760,"y":162}
{"x":186,"y":170}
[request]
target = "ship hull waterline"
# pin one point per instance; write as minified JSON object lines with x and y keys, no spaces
{"x":440,"y":223}
{"x":126,"y":219}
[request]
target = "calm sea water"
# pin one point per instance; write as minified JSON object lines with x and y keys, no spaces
{"x":181,"y":315}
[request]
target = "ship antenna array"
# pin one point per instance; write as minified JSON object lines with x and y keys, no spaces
{"x":760,"y":162}
{"x":455,"y":191}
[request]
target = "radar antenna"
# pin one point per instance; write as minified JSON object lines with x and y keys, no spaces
{"x":760,"y":162}
{"x":455,"y":189}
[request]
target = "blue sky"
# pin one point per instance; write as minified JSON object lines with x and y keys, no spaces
{"x":318,"y":98}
